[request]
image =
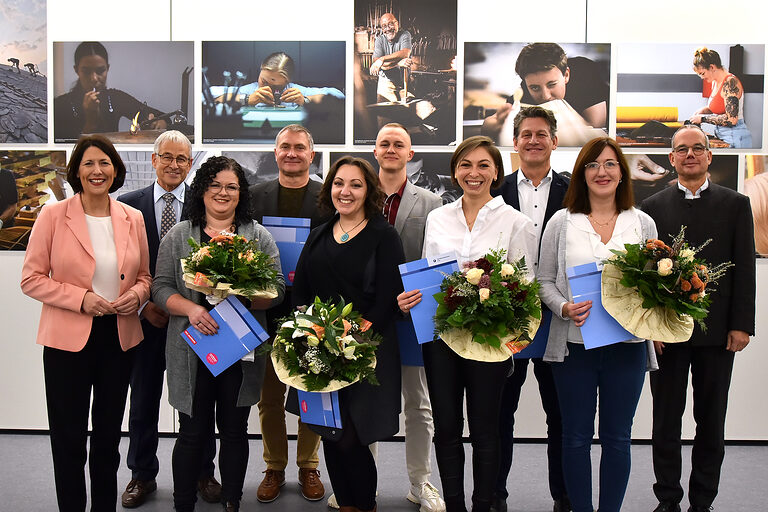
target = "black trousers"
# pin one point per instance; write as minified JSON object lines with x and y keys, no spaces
{"x":101,"y":369}
{"x":710,"y":369}
{"x":351,"y":467}
{"x":214,"y":398}
{"x":449,"y":376}
{"x":143,"y":416}
{"x":510,"y":399}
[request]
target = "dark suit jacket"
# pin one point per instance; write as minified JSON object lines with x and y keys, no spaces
{"x":143,"y":200}
{"x":725,"y":217}
{"x":264,"y":202}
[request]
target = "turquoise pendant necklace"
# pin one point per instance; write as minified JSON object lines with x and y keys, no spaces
{"x":344,"y":238}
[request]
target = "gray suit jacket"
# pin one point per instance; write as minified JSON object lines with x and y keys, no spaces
{"x":411,"y":218}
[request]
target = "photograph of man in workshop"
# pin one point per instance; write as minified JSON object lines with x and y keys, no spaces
{"x":101,"y":87}
{"x":252,"y":89}
{"x":571,"y":80}
{"x":404,"y":69}
{"x":719,"y":87}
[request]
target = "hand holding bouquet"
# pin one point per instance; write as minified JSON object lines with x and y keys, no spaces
{"x":490,"y":309}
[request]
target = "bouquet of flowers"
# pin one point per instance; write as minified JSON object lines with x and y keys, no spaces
{"x":229,"y":265}
{"x":656,"y":291}
{"x":325,"y":347}
{"x":489,"y":310}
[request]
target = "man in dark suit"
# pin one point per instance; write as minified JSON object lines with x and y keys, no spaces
{"x":292,"y":194}
{"x":162,"y":204}
{"x":708,"y":211}
{"x":537,"y":191}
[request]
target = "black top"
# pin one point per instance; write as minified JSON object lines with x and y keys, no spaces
{"x":724,"y":216}
{"x":69,"y":117}
{"x":8,"y":194}
{"x":362,"y":271}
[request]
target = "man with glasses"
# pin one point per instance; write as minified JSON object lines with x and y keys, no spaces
{"x":708,"y":211}
{"x":292,"y":194}
{"x":391,"y":52}
{"x":537,"y":191}
{"x":162,"y":204}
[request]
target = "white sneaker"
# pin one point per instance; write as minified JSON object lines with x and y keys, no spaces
{"x":427,"y":496}
{"x":332,"y":503}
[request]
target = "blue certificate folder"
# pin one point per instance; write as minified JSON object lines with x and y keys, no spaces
{"x":539,"y":343}
{"x":426,"y":275}
{"x":289,"y":233}
{"x":319,"y":408}
{"x":239,"y":333}
{"x":600,"y":328}
{"x":410,"y":349}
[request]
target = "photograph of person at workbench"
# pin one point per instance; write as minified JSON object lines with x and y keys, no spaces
{"x":128,"y":91}
{"x":253,"y":89}
{"x":405,"y":69}
{"x":571,"y":80}
{"x":719,"y":87}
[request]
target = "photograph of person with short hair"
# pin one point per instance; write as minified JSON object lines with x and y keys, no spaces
{"x":128,"y":91}
{"x":405,"y":69}
{"x":571,"y":80}
{"x":253,"y":89}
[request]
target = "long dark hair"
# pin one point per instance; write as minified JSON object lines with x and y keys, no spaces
{"x":203,"y":179}
{"x":374,"y":197}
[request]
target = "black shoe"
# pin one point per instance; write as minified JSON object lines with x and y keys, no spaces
{"x":562,"y":505}
{"x":499,"y":505}
{"x":667,"y":506}
{"x":698,"y":509}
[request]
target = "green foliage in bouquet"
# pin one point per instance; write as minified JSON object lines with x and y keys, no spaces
{"x":488,"y":297}
{"x":327,"y":342}
{"x":230,"y":258}
{"x":671,"y":277}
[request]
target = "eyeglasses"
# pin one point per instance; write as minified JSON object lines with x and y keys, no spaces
{"x":682,"y":151}
{"x":230,"y":189}
{"x":168,"y":159}
{"x":608,"y":165}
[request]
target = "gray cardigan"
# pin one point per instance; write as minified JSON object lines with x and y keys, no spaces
{"x":554,"y":283}
{"x":181,"y":361}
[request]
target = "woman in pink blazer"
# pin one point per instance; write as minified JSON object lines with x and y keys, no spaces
{"x":88,"y":263}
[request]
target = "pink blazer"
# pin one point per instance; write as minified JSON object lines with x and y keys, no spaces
{"x":59,"y":266}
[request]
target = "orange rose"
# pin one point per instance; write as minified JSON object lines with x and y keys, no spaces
{"x":696,"y":282}
{"x":685,"y":285}
{"x":694,"y":297}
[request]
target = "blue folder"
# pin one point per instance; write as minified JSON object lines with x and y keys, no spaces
{"x":539,"y":343}
{"x":289,"y":233}
{"x":410,"y":349}
{"x":319,"y":408}
{"x":238,"y":334}
{"x":600,"y":328}
{"x":426,"y":275}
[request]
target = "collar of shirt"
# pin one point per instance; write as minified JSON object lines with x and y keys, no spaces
{"x":178,"y":193}
{"x":522,"y":179}
{"x":392,"y":204}
{"x":494,"y":203}
{"x":694,"y":195}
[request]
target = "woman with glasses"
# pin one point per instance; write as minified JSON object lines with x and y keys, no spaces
{"x":218,"y":202}
{"x":725,"y":108}
{"x":598,"y":216}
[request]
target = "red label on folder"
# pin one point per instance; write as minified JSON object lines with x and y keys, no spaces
{"x":290,"y":275}
{"x":211,"y":358}
{"x":304,"y":406}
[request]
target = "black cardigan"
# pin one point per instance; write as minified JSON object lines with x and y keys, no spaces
{"x":724,"y":216}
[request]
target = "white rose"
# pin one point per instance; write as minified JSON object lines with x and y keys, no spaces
{"x":474,"y":275}
{"x":484,"y":294}
{"x":687,"y":254}
{"x":507,"y":270}
{"x":664,"y":266}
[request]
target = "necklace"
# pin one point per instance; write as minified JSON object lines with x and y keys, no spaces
{"x":602,"y":224}
{"x":345,"y":236}
{"x":213,"y":232}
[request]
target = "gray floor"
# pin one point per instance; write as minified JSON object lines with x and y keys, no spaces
{"x":26,"y":479}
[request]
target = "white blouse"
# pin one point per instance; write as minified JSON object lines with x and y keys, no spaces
{"x":498,"y":225}
{"x":106,"y":278}
{"x":583,"y":245}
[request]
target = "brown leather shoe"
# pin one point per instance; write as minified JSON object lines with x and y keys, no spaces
{"x":209,"y":489}
{"x":311,"y":487}
{"x":136,"y":492}
{"x":269,"y":488}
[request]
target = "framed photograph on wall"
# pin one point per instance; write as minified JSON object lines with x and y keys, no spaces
{"x":261,"y":166}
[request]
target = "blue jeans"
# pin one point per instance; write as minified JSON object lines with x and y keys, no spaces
{"x":737,"y":136}
{"x":617,"y":373}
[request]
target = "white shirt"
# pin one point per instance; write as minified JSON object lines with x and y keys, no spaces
{"x":533,"y":201}
{"x":693,"y":195}
{"x":583,"y":245}
{"x":498,"y":225}
{"x":106,"y":278}
{"x":158,"y":193}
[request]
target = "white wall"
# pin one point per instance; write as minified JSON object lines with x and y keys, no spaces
{"x":22,"y":401}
